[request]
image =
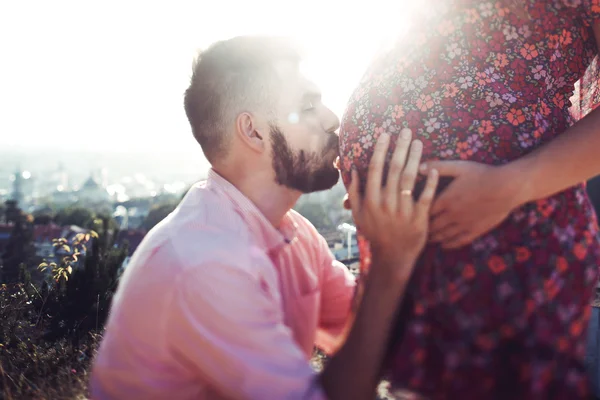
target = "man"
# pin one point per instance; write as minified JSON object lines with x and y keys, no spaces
{"x":226,"y":297}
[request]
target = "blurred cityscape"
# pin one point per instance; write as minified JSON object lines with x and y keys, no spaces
{"x":48,"y":178}
{"x":65,"y":192}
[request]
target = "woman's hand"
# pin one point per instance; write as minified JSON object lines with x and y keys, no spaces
{"x":479,"y":199}
{"x":394,"y":224}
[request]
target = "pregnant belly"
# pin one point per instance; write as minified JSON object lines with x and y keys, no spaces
{"x":481,"y":125}
{"x":469,"y":111}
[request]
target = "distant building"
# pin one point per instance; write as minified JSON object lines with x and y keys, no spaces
{"x":92,"y":192}
{"x":17,"y":188}
{"x":134,"y":211}
{"x":61,"y":178}
{"x":63,"y":198}
{"x":338,"y":245}
{"x":340,"y":249}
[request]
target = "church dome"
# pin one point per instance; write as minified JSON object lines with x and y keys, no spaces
{"x":90,"y":184}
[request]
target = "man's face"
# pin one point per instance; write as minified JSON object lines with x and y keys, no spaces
{"x":304,"y":141}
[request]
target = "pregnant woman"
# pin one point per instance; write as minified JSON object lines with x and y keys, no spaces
{"x":497,"y":92}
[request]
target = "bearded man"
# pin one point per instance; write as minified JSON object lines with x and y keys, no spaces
{"x":226,"y":297}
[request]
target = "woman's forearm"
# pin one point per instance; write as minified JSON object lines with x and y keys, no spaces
{"x":567,"y":160}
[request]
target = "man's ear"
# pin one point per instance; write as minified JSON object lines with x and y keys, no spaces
{"x":247,"y":130}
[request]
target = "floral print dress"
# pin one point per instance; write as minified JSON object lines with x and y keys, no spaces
{"x":490,"y":81}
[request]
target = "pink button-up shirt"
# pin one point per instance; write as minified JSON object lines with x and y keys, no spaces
{"x":218,"y":304}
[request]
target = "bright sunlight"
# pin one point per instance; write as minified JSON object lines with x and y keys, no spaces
{"x":110,"y":75}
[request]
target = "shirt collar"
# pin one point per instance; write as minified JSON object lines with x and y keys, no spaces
{"x":265,"y":233}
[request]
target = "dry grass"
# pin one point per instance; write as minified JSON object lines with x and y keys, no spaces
{"x":46,"y":370}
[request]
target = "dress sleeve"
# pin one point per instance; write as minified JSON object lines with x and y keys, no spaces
{"x":586,"y":96}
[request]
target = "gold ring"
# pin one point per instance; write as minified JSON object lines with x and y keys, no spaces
{"x":406,"y":192}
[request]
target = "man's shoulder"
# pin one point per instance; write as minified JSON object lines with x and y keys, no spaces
{"x":204,"y":228}
{"x":209,"y":245}
{"x":172,"y":253}
{"x":193,"y":252}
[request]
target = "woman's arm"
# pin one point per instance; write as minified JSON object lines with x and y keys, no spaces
{"x":482,"y":196}
{"x":567,"y":160}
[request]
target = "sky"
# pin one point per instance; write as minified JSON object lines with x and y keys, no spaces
{"x":110,"y":75}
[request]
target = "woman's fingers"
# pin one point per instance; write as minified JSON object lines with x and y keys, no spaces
{"x":400,"y":183}
{"x":373,"y":190}
{"x":409,"y":177}
{"x":395,"y":171}
{"x":423,"y":205}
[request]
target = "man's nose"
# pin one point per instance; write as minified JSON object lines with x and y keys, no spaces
{"x":331,"y":122}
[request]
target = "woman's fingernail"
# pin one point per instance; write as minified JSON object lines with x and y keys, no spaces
{"x":423,"y":168}
{"x":406,"y":133}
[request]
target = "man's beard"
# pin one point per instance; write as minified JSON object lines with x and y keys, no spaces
{"x":302,"y":171}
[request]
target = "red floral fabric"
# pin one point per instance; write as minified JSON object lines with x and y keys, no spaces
{"x":490,"y":81}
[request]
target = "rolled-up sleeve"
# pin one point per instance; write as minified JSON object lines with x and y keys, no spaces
{"x":228,"y":325}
